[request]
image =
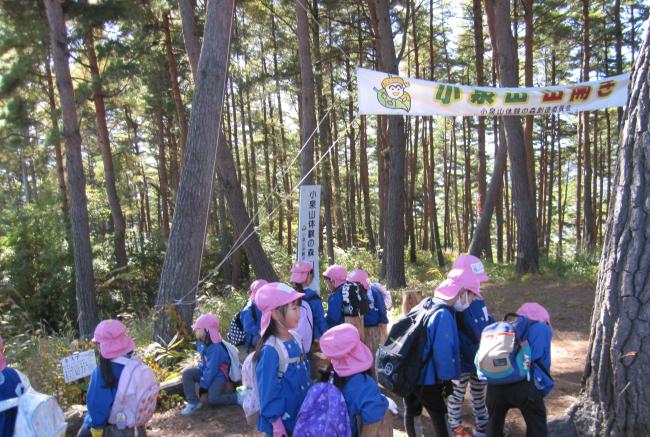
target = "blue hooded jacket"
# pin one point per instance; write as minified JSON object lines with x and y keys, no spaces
{"x":376,"y":309}
{"x":251,"y":318}
{"x":441,"y":353}
{"x":214,"y":362}
{"x":9,"y":381}
{"x":318,"y":313}
{"x":363,"y":397}
{"x":99,"y":398}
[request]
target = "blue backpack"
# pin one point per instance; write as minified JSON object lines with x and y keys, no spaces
{"x":323,"y":413}
{"x":504,"y":354}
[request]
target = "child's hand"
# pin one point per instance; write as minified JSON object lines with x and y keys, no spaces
{"x":97,"y":432}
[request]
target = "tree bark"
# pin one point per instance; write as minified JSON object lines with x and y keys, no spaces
{"x":190,"y":34}
{"x":589,"y":239}
{"x":394,"y":250}
{"x":182,"y":265}
{"x":119,"y":225}
{"x":307,"y":95}
{"x":615,"y":400}
{"x":83,"y":258}
{"x":528,"y":79}
{"x":479,"y":50}
{"x":527,"y":245}
{"x":162,"y":174}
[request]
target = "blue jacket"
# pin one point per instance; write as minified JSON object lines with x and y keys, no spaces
{"x":376,"y":309}
{"x":317,"y":311}
{"x":470,"y":325}
{"x":280,"y":396}
{"x":251,"y":318}
{"x":362,"y":397}
{"x":214,"y":364}
{"x":9,"y":380}
{"x":441,"y":353}
{"x":335,"y":308}
{"x":99,"y":398}
{"x":539,"y":338}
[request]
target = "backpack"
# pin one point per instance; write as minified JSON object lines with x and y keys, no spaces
{"x":137,"y":393}
{"x":503,"y":355}
{"x":251,"y":404}
{"x":236,"y":331}
{"x":305,"y":328}
{"x":355,"y":301}
{"x":234,"y":374}
{"x":399,"y":360}
{"x":323,"y":413}
{"x":39,"y":415}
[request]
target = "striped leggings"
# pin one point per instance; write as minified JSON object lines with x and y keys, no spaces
{"x":477,"y":390}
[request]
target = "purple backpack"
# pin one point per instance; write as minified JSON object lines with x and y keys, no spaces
{"x":323,"y":413}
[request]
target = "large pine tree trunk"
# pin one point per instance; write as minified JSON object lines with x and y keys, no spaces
{"x":393,"y":257}
{"x":119,"y":225}
{"x":615,"y":400}
{"x":182,"y":265}
{"x":308,"y":118}
{"x":190,"y":34}
{"x":227,"y":174}
{"x":527,"y":245}
{"x":83,"y":257}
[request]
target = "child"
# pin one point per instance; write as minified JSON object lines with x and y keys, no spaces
{"x":212,"y":372}
{"x":335,"y":276}
{"x":471,"y":318}
{"x":526,"y":395}
{"x":9,"y":380}
{"x":280,"y":393}
{"x":113,"y":343}
{"x":250,"y":317}
{"x":352,"y":361}
{"x":376,"y":320}
{"x":441,"y":354}
{"x":302,"y":275}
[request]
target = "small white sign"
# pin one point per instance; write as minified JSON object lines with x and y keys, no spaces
{"x":78,"y":366}
{"x":309,"y":229}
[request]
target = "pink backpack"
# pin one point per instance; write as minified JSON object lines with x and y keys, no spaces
{"x":136,"y":396}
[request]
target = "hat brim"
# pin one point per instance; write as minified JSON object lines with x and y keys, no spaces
{"x":447,"y":290}
{"x":299,"y":277}
{"x":358,"y":360}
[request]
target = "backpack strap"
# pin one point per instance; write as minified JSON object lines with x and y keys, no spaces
{"x":283,"y":353}
{"x":8,"y":404}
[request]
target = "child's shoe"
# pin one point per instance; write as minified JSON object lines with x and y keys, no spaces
{"x":191,"y":409}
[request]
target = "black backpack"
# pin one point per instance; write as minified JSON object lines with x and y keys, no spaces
{"x":236,"y":329}
{"x":355,"y":300}
{"x":399,"y":360}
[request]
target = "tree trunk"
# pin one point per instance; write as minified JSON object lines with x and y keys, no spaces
{"x":190,"y":34}
{"x":527,"y":245}
{"x":365,"y":186}
{"x":615,"y":400}
{"x":589,"y":237}
{"x":83,"y":257}
{"x":324,"y":138}
{"x":181,"y":269}
{"x":56,"y":140}
{"x":528,"y":78}
{"x":173,"y":79}
{"x":307,"y":95}
{"x":119,"y":226}
{"x":394,"y":251}
{"x":479,"y":50}
{"x":162,"y":174}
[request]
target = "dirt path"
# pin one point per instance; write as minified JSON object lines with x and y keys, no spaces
{"x":570,"y":306}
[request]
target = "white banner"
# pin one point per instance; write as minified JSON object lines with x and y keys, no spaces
{"x":385,"y":94}
{"x":78,"y":366}
{"x":308,"y":229}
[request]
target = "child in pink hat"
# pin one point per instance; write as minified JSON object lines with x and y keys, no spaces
{"x":346,"y":299}
{"x":212,"y":372}
{"x":9,"y":380}
{"x":527,"y":396}
{"x":281,"y":390}
{"x":351,"y":363}
{"x":113,"y":342}
{"x":441,"y":354}
{"x":472,"y":316}
{"x":312,"y":320}
{"x":251,"y":316}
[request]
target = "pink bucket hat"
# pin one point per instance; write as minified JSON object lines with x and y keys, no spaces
{"x":272,"y":296}
{"x":112,"y":339}
{"x":473,"y":264}
{"x":344,"y":348}
{"x":3,"y":361}
{"x":255,"y":286}
{"x":300,"y":270}
{"x":211,"y":323}
{"x":336,"y":273}
{"x":535,"y":311}
{"x":360,"y":276}
{"x":457,"y":280}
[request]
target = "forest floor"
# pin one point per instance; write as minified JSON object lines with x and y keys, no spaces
{"x":570,"y":305}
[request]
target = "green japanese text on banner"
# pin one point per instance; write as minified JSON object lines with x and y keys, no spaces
{"x":385,"y":94}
